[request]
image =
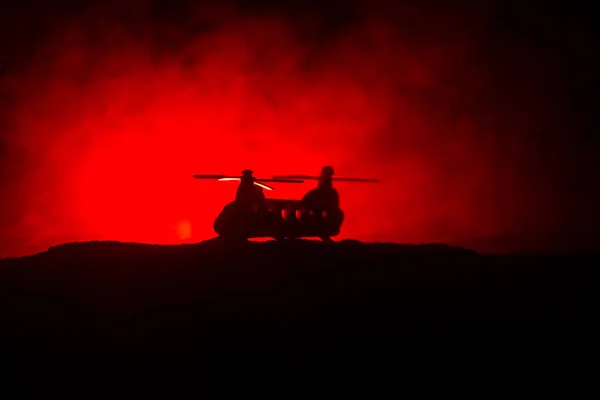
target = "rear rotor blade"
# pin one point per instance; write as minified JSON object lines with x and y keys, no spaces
{"x":228,"y":179}
{"x":355,"y":180}
{"x":316,"y":178}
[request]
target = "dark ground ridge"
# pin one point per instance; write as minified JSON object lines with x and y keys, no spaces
{"x":298,"y":296}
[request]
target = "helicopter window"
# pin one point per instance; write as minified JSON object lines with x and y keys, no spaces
{"x":284,"y":214}
{"x":324,"y":214}
{"x":298,"y":214}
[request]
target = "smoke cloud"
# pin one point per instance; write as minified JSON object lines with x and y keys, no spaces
{"x":108,"y":111}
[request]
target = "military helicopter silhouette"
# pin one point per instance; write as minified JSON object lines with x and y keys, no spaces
{"x":252,"y":215}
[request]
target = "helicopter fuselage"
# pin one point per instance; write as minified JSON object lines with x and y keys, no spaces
{"x":276,"y":218}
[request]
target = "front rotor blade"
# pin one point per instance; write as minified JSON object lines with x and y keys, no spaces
{"x":282,"y":180}
{"x":228,"y":179}
{"x":200,"y":176}
{"x":262,"y":185}
{"x":296,"y":177}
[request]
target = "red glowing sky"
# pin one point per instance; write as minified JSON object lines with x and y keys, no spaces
{"x":106,"y":121}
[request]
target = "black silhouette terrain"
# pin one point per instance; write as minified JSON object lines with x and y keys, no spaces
{"x":293,"y":298}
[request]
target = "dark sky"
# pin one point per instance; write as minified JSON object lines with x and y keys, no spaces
{"x":479,"y":117}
